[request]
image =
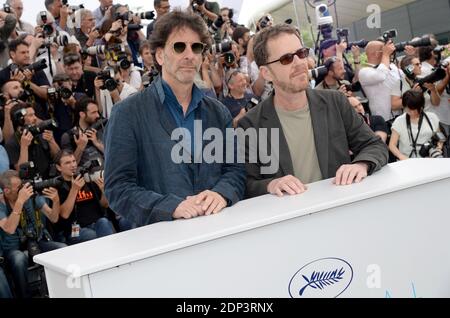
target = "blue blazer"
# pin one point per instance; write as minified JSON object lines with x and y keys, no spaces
{"x":142,"y":183}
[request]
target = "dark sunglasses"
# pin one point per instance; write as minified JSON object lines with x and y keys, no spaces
{"x":289,"y":57}
{"x":196,"y":47}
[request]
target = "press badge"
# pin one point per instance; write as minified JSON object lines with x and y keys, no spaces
{"x":75,"y":230}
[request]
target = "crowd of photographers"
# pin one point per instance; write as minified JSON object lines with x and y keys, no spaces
{"x":60,"y":79}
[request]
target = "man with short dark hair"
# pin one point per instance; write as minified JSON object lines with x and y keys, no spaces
{"x":86,"y":142}
{"x":162,"y":7}
{"x":82,"y":204}
{"x":335,"y":78}
{"x":317,"y":128}
{"x":146,"y":180}
{"x":27,"y":147}
{"x":82,"y":81}
{"x":36,"y":83}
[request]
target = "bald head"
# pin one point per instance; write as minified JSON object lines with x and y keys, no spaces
{"x":373,"y":51}
{"x":356,"y":104}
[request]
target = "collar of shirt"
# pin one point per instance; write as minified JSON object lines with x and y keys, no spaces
{"x":168,"y":98}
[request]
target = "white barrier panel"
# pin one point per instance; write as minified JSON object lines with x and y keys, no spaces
{"x":385,"y":237}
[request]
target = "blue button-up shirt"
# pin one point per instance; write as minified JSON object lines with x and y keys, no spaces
{"x":169,"y":100}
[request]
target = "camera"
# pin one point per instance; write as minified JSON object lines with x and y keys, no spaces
{"x":92,"y":170}
{"x":264,"y":21}
{"x":28,"y":173}
{"x":7,"y":8}
{"x":149,"y":76}
{"x":222,"y":47}
{"x":94,"y":50}
{"x":38,"y":129}
{"x":216,"y":25}
{"x":122,"y":59}
{"x":109,"y":82}
{"x":400,"y":47}
{"x":55,"y":94}
{"x":148,"y":15}
{"x":437,"y":75}
{"x":251,"y":103}
{"x":318,"y":72}
{"x":47,"y":27}
{"x":430,"y":149}
{"x":324,"y":21}
{"x":342,"y":34}
{"x":60,"y":40}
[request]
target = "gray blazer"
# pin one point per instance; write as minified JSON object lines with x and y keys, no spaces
{"x":337,"y":129}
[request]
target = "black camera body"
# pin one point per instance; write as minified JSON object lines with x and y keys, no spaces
{"x":55,"y":94}
{"x":109,"y":82}
{"x":149,"y":76}
{"x":251,"y":103}
{"x":437,"y":75}
{"x":430,"y":149}
{"x":222,"y":47}
{"x":216,"y":25}
{"x":7,"y":8}
{"x":318,"y":72}
{"x":38,"y":129}
{"x":28,"y":173}
{"x":92,"y":170}
{"x":264,"y":21}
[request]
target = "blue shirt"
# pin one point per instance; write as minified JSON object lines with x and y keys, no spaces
{"x":169,"y":100}
{"x":12,"y":241}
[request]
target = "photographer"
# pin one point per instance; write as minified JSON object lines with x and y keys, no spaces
{"x":7,"y":25}
{"x":24,"y":147}
{"x":376,"y":123}
{"x":34,"y":82}
{"x":82,"y":81}
{"x":60,"y":13}
{"x":161,"y":7}
{"x":237,"y":98}
{"x":87,"y":34}
{"x":379,"y":78}
{"x":335,"y":77}
{"x":110,"y":89}
{"x":412,"y":68}
{"x":62,"y":101}
{"x":23,"y":222}
{"x":82,"y":215}
{"x":241,"y":35}
{"x":17,"y":9}
{"x":414,"y":128}
{"x":208,"y":10}
{"x":85,"y":141}
{"x":12,"y":90}
{"x":103,"y":12}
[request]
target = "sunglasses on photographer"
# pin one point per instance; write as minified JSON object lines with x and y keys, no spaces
{"x":196,"y":47}
{"x":289,"y":57}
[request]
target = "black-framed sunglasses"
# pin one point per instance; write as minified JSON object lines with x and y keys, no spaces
{"x":196,"y":47}
{"x":289,"y":57}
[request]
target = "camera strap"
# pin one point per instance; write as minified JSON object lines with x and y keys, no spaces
{"x":411,"y":137}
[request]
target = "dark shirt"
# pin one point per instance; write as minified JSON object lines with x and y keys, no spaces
{"x":236,"y":105}
{"x":90,"y":152}
{"x":86,"y":84}
{"x":87,"y":208}
{"x":40,"y":79}
{"x":150,"y":29}
{"x":38,"y":152}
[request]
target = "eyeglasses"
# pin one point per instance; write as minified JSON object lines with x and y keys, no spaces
{"x":196,"y":47}
{"x":289,"y":57}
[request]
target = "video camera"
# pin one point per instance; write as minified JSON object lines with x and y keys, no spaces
{"x":430,"y":148}
{"x":92,"y":170}
{"x":28,"y":173}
